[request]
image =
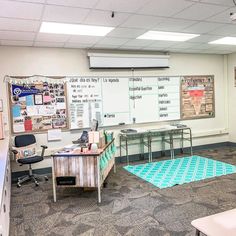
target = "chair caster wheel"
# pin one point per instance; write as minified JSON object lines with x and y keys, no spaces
{"x":18,"y":185}
{"x":36,"y":184}
{"x":46,"y":178}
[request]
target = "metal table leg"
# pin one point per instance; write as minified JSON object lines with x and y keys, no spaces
{"x":126,"y":148}
{"x":150,"y":148}
{"x":162,"y":144}
{"x":171,"y":146}
{"x":197,"y":232}
{"x":191,"y":142}
{"x":182,"y":141}
{"x":53,"y":182}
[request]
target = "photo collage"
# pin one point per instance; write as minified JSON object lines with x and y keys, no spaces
{"x":38,"y":106}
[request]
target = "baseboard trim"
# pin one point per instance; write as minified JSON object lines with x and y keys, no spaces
{"x":42,"y":171}
{"x":134,"y":157}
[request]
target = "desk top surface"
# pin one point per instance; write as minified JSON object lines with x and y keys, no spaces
{"x":77,"y":151}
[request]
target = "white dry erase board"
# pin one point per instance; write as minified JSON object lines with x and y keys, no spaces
{"x":115,"y":100}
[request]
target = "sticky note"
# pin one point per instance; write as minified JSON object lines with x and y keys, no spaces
{"x":16,"y":111}
{"x":29,"y":100}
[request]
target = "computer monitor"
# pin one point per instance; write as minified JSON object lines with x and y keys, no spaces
{"x":94,"y":125}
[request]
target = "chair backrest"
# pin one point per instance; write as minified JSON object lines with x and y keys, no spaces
{"x":24,"y":140}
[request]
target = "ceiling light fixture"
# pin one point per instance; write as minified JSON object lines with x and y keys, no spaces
{"x":167,"y":36}
{"x":225,"y":41}
{"x":74,"y":29}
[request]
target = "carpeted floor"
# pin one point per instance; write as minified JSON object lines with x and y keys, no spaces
{"x":130,"y":206}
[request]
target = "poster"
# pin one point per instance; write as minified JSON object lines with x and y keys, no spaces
{"x":38,"y":106}
{"x":197,"y":97}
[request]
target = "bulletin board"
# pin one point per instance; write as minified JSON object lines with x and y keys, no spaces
{"x":37,"y":104}
{"x":197,"y":97}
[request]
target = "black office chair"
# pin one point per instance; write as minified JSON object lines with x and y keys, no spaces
{"x":24,"y":141}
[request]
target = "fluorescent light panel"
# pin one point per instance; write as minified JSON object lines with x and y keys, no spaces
{"x":167,"y":36}
{"x":74,"y":29}
{"x":225,"y":41}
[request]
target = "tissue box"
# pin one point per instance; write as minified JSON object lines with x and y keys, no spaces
{"x":102,"y":140}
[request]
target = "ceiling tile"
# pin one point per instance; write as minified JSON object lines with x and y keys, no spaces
{"x":112,"y":41}
{"x":19,"y":24}
{"x":183,"y":45}
{"x":164,"y":7}
{"x":200,"y":11}
{"x":197,"y":51}
{"x":98,"y":17}
{"x":138,"y":42}
{"x":64,"y":14}
{"x":13,"y":35}
{"x":171,"y":24}
{"x":84,"y":39}
{"x":220,"y":2}
{"x":32,"y":1}
{"x":227,"y":30}
{"x":59,"y":38}
{"x":205,"y":38}
{"x":141,"y":21}
{"x":20,"y":10}
{"x":156,"y":49}
{"x":74,"y":3}
{"x":159,"y":43}
{"x":223,"y":17}
{"x":77,"y":45}
{"x":202,"y":46}
{"x":121,"y":5}
{"x":101,"y":46}
{"x":130,"y":47}
{"x":215,"y":51}
{"x":202,"y":27}
{"x":48,"y":44}
{"x":16,"y":43}
{"x":126,"y":33}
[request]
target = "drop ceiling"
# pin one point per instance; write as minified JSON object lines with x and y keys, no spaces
{"x":20,"y":22}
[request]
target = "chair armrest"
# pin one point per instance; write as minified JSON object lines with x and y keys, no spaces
{"x":14,"y":151}
{"x":43,"y":150}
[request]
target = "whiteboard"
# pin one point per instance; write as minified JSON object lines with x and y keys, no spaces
{"x":115,"y":100}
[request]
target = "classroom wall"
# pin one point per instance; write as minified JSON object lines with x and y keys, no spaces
{"x":26,"y":61}
{"x":232,"y":96}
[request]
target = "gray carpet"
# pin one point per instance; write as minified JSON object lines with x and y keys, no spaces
{"x":129,"y":205}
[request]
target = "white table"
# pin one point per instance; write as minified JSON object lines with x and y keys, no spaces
{"x":221,"y":224}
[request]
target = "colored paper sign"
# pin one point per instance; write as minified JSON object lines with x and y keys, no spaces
{"x":22,"y":91}
{"x":16,"y":111}
{"x":196,"y":93}
{"x":29,"y":100}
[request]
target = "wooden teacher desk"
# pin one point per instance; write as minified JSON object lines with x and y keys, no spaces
{"x":88,"y":169}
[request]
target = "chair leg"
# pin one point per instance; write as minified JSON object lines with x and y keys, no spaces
{"x":40,"y":177}
{"x":31,"y":176}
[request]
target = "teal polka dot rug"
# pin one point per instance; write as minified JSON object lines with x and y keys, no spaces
{"x":164,"y":174}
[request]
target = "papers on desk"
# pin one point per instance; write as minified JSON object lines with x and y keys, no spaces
{"x":70,"y":147}
{"x":54,"y":134}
